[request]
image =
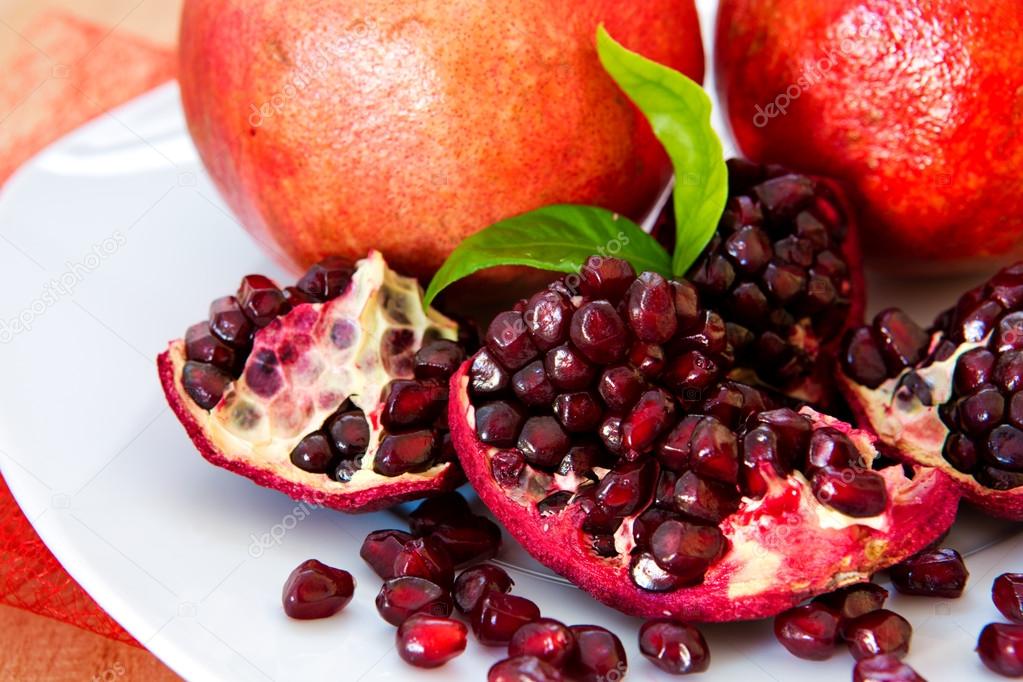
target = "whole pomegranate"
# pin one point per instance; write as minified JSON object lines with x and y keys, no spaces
{"x":336,"y":127}
{"x":908,"y":102}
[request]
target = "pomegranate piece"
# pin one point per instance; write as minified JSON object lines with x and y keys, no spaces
{"x":399,"y":598}
{"x":810,"y":631}
{"x":524,"y":669}
{"x":934,"y":573}
{"x":316,"y":590}
{"x":1000,"y":647}
{"x":853,"y":601}
{"x":607,"y":278}
{"x":884,"y":669}
{"x":424,"y":558}
{"x":444,"y":509}
{"x":501,"y":615}
{"x":1007,"y":595}
{"x":509,"y":342}
{"x":473,"y":584}
{"x":876,"y":633}
{"x":858,"y":493}
{"x":599,"y":333}
{"x":600,"y":655}
{"x":381,"y":548}
{"x":546,"y":639}
{"x":676,"y":648}
{"x":426,"y":641}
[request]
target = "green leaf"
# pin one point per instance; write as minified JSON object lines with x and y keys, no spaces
{"x":679,"y":113}
{"x":558,"y":238}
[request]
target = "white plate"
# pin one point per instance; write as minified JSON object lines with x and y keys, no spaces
{"x":112,"y":241}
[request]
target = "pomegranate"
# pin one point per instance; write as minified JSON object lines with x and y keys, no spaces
{"x":950,"y":397}
{"x":1000,"y":647}
{"x":316,"y":590}
{"x":783,"y":271}
{"x":427,"y":641}
{"x":332,"y":391}
{"x":884,"y":668}
{"x":1007,"y":594}
{"x":676,"y":648}
{"x":695,"y":496}
{"x":934,"y":573}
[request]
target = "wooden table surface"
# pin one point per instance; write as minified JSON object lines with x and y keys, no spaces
{"x":32,"y":647}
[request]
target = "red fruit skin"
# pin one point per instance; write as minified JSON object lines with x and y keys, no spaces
{"x":736,"y":588}
{"x":373,"y":498}
{"x":425,"y":105}
{"x":914,"y":98}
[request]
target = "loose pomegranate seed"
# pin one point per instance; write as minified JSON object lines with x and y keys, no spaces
{"x":203,"y":347}
{"x":499,"y":423}
{"x":878,"y":632}
{"x":475,"y":583}
{"x":676,"y":648}
{"x":508,"y":340}
{"x":902,"y":342}
{"x":427,"y":641}
{"x":686,"y":550}
{"x":547,"y":317}
{"x":400,"y":453}
{"x":884,"y":669}
{"x":327,"y":279}
{"x":599,"y":333}
{"x":543,"y":442}
{"x":487,"y":376}
{"x":601,"y":655}
{"x":314,"y":454}
{"x":704,"y":499}
{"x":204,"y":384}
{"x":568,"y":370}
{"x":648,"y":419}
{"x":620,"y":387}
{"x":349,"y":433}
{"x":546,"y":639}
{"x":831,"y":448}
{"x":578,"y":412}
{"x":438,"y":360}
{"x":501,"y":615}
{"x":1004,"y":448}
{"x":606,"y":278}
{"x":315,"y":590}
{"x":853,"y":601}
{"x":524,"y":669}
{"x":444,"y":509}
{"x":261,"y":300}
{"x":857,"y":493}
{"x":1007,"y":594}
{"x":714,"y":451}
{"x":532,"y":386}
{"x":229,"y":324}
{"x":862,"y":360}
{"x":466,"y":543}
{"x":381,"y":547}
{"x":424,"y":558}
{"x":935,"y":573}
{"x":413,"y":403}
{"x":651,"y":308}
{"x":809,"y":631}
{"x":627,"y":487}
{"x":1000,"y":647}
{"x":399,"y":598}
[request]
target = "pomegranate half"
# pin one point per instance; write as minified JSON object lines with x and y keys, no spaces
{"x":318,"y":390}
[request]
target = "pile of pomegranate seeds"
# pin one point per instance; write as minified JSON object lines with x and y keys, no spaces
{"x":315,"y":590}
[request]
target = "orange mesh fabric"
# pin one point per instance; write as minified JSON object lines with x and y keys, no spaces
{"x":64,"y":73}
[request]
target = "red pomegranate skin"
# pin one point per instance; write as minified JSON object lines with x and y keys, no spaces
{"x":916,"y":106}
{"x":331,"y":127}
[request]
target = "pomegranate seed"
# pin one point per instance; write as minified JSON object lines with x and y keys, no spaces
{"x":1000,"y":647}
{"x":424,"y":558}
{"x":606,"y":278}
{"x":973,"y":369}
{"x":707,"y":500}
{"x":546,"y":639}
{"x":1008,"y":373}
{"x":809,"y":631}
{"x":748,"y":304}
{"x":902,"y":342}
{"x":229,"y":324}
{"x":856,"y":493}
{"x":381,"y":547}
{"x":601,"y":655}
{"x":976,"y":324}
{"x":507,"y":466}
{"x":626,"y":488}
{"x":327,"y":279}
{"x":508,"y":340}
{"x":501,"y":615}
{"x":400,"y":453}
{"x":412,"y":403}
{"x":960,"y":451}
{"x":349,"y":433}
{"x":315,"y":590}
{"x":862,"y":360}
{"x":262,"y":373}
{"x":204,"y":384}
{"x":427,"y":641}
{"x":714,"y":276}
{"x":399,"y":598}
{"x":981,"y":411}
{"x":878,"y":632}
{"x":499,"y":423}
{"x":830,"y":447}
{"x":935,"y":573}
{"x":466,"y":543}
{"x":687,"y":303}
{"x":1010,"y":333}
{"x":714,"y":451}
{"x":438,"y":360}
{"x":524,"y":669}
{"x":543,"y":442}
{"x":673,"y":453}
{"x":475,"y":583}
{"x":647,"y":358}
{"x":1015,"y":415}
{"x":531,"y":385}
{"x":997,"y":479}
{"x":853,"y":601}
{"x":884,"y":669}
{"x":690,"y":374}
{"x":686,"y":550}
{"x":294,"y":297}
{"x":676,"y":648}
{"x":749,"y":249}
{"x":568,"y":370}
{"x":649,"y":418}
{"x":203,"y":347}
{"x":710,"y":336}
{"x":784,"y":282}
{"x":761,"y":461}
{"x":1007,"y":594}
{"x":797,"y":251}
{"x":793,"y":431}
{"x":651,"y":308}
{"x":547,"y":317}
{"x":261,"y":300}
{"x":314,"y":454}
{"x":578,"y":412}
{"x":488,"y":377}
{"x":621,"y":387}
{"x":1004,"y":448}
{"x":783,"y":196}
{"x":581,"y":459}
{"x":444,"y":509}
{"x":599,"y":333}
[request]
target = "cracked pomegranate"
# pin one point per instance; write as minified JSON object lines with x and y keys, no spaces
{"x":950,"y":397}
{"x":316,"y":590}
{"x":660,"y":487}
{"x":332,"y":391}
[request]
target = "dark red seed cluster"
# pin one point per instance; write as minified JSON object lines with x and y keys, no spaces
{"x":984,"y":414}
{"x":216,"y":350}
{"x":774,"y":264}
